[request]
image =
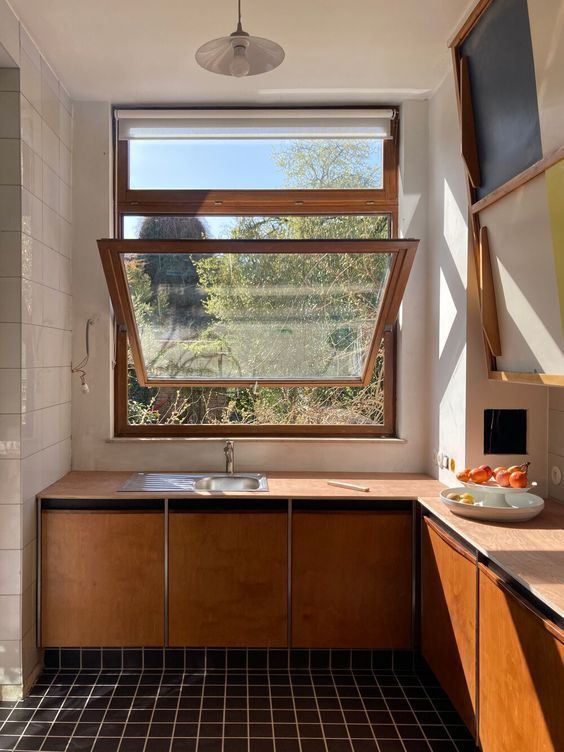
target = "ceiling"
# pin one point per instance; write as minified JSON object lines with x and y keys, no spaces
{"x":337,"y":51}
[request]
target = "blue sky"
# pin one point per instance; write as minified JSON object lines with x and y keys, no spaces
{"x":203,"y":164}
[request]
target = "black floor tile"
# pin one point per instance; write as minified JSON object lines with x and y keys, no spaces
{"x":237,"y":706}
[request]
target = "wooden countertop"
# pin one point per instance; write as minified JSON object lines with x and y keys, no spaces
{"x":400,"y":486}
{"x":531,"y":552}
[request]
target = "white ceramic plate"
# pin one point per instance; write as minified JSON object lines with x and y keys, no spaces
{"x":520,"y":507}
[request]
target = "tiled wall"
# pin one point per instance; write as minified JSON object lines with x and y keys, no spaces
{"x":35,"y":329}
{"x":556,"y":440}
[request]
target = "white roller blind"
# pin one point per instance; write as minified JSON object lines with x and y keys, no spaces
{"x":319,"y":123}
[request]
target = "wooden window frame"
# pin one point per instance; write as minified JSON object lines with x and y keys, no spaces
{"x":131,"y":202}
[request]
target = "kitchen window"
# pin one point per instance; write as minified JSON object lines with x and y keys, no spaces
{"x":254,"y":276}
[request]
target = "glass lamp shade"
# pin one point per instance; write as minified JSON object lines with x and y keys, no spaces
{"x":240,"y":55}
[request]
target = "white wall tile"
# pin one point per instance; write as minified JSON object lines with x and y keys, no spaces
{"x":31,"y":346}
{"x":31,"y":432}
{"x":64,"y":96}
{"x":31,"y":170}
{"x":30,"y":80}
{"x":28,"y":528}
{"x":32,"y":656}
{"x":65,"y":281}
{"x":65,"y":201}
{"x":32,"y":302}
{"x":65,"y":164}
{"x":65,"y":126}
{"x":49,"y":97}
{"x":10,"y":572}
{"x":28,"y":46}
{"x":10,"y":621}
{"x":10,"y":109}
{"x":9,"y":391}
{"x":10,"y":526}
{"x":50,"y":143}
{"x":10,"y":300}
{"x":10,"y":488}
{"x":10,"y":436}
{"x":65,"y":238}
{"x":29,"y":609}
{"x":32,"y":475}
{"x":51,"y":267}
{"x":10,"y":172}
{"x":10,"y":208}
{"x":11,"y":662}
{"x":51,"y":228}
{"x":9,"y":77}
{"x":10,"y":253}
{"x":29,"y":565}
{"x":10,"y":31}
{"x":10,"y":345}
{"x":51,"y":426}
{"x":32,"y":215}
{"x":30,"y":125}
{"x":56,"y":309}
{"x":32,"y":251}
{"x":51,"y":188}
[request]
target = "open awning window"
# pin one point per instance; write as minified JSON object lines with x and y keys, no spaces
{"x":246,"y":312}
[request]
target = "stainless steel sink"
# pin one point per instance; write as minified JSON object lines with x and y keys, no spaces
{"x":230,"y":483}
{"x":191,"y":482}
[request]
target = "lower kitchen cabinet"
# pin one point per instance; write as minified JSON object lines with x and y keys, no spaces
{"x":102,"y":578}
{"x":521,"y":673}
{"x":448,"y":616}
{"x":351,"y":576}
{"x":228,"y":576}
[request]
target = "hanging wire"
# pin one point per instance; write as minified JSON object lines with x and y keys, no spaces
{"x":80,"y":367}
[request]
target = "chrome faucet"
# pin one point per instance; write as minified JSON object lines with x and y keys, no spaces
{"x":229,"y":451}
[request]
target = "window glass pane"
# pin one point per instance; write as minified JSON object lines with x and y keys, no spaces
{"x":254,"y":316}
{"x":351,"y":226}
{"x":232,"y":163}
{"x":299,"y":406}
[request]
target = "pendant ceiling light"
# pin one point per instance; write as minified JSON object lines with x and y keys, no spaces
{"x":240,"y":54}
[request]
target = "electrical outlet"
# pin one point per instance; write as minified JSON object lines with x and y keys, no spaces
{"x":556,"y":475}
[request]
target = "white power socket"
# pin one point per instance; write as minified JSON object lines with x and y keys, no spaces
{"x":556,"y":475}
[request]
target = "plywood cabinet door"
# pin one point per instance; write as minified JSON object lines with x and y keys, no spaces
{"x":351,"y":579}
{"x":521,"y":673}
{"x":448,"y":616}
{"x":102,"y":578}
{"x":228,"y":579}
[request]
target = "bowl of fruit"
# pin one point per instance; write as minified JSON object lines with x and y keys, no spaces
{"x":497,"y":484}
{"x":500,"y":495}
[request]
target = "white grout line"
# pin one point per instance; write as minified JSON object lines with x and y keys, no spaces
{"x":388,"y":707}
{"x":366,"y":711}
{"x":318,"y":710}
{"x":154,"y":708}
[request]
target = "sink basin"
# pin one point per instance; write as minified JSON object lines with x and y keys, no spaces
{"x":191,"y":482}
{"x":229,"y":483}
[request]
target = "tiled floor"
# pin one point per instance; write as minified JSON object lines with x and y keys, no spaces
{"x":254,"y":711}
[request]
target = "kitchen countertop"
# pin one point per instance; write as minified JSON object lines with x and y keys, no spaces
{"x":531,"y":552}
{"x":384,"y":486}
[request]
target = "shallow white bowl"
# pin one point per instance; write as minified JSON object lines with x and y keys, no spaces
{"x":519,"y":507}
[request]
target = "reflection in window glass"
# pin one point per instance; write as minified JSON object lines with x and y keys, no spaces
{"x":323,"y":227}
{"x":256,"y":316}
{"x":255,"y":164}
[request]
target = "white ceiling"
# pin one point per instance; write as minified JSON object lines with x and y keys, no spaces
{"x":337,"y":51}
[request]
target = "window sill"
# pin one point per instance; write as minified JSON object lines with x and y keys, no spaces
{"x":254,"y":439}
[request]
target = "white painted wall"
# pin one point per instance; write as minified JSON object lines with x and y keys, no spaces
{"x":92,"y":413}
{"x":556,"y":440}
{"x":459,"y":388}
